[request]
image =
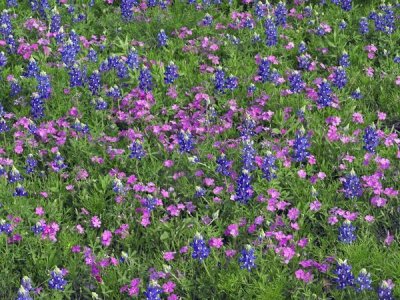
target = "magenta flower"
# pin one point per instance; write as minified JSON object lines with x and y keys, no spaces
{"x":169,"y":287}
{"x":96,"y":223}
{"x":168,"y":256}
{"x":232,"y":230}
{"x":106,"y":238}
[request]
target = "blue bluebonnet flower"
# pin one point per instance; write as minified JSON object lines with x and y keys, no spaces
{"x":127,"y":9}
{"x":31,"y":164}
{"x":301,"y":146}
{"x":14,"y":175}
{"x":37,"y":228}
{"x":23,"y":294}
{"x":347,"y":233}
{"x":340,"y":78}
{"x":304,"y":61}
{"x":363,"y":26}
{"x":94,"y":84}
{"x":200,"y":249}
{"x":247,"y":258}
{"x":302,"y":47}
{"x":68,"y":53}
{"x":145,"y":79}
{"x":247,"y":127}
{"x":356,"y":94}
{"x":251,"y":89}
{"x":344,"y":276}
{"x":137,"y":150}
{"x":385,"y":290}
{"x":122,"y":70}
{"x":26,"y":282}
{"x":259,"y":10}
{"x":280,"y":14}
{"x":3,"y":125}
{"x":153,"y":291}
{"x":352,"y":188}
{"x":118,"y":186}
{"x":132,"y":60}
{"x":12,"y":3}
{"x":269,"y":166}
{"x":55,"y":24}
{"x":346,"y":5}
{"x":152,"y":3}
{"x":219,"y":80}
{"x":44,"y":85}
{"x":296,"y":82}
{"x":150,"y":202}
{"x":264,"y":70}
{"x":249,"y":23}
{"x":162,"y":38}
{"x":248,"y":155}
{"x":200,"y":192}
{"x":114,"y":92}
{"x":58,"y":163}
{"x":5,"y":227}
{"x":231,"y":82}
{"x":3,"y":59}
{"x":15,"y":88}
{"x":344,"y":60}
{"x":186,"y":142}
{"x":57,"y":281}
{"x":100,"y":104}
{"x":78,"y":126}
{"x":363,"y":281}
{"x":75,"y":76}
{"x":396,"y":59}
{"x":92,"y":55}
{"x":32,"y":69}
{"x":307,"y":11}
{"x":6,"y":28}
{"x":171,"y":73}
{"x":271,"y":32}
{"x":371,"y":139}
{"x":12,"y":44}
{"x":342,"y":25}
{"x":324,"y":94}
{"x":207,"y":20}
{"x":244,"y":190}
{"x":20,"y":191}
{"x":223,"y":165}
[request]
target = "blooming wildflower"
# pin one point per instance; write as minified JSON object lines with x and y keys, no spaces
{"x":44,"y":85}
{"x":207,"y":20}
{"x":247,"y":258}
{"x":15,"y":88}
{"x":145,"y":79}
{"x":153,"y":291}
{"x":300,"y":147}
{"x":356,"y":94}
{"x":118,"y":186}
{"x":371,"y":139}
{"x":96,"y":223}
{"x":57,"y":281}
{"x":20,"y":191}
{"x":127,"y":9}
{"x":280,"y":14}
{"x":363,"y":281}
{"x":100,"y":104}
{"x":186,"y":142}
{"x":302,"y":47}
{"x":344,"y":276}
{"x":58,"y":163}
{"x":324,"y":94}
{"x":223,"y":165}
{"x":31,"y":164}
{"x":171,"y":73}
{"x":344,"y":60}
{"x":304,"y":61}
{"x":352,"y":186}
{"x":296,"y":83}
{"x":162,"y":38}
{"x":14,"y":175}
{"x":231,"y":82}
{"x":340,"y":78}
{"x":37,"y":106}
{"x":247,"y":128}
{"x":132,"y":59}
{"x":271,"y":32}
{"x":264,"y":70}
{"x":200,"y":249}
{"x":80,"y":127}
{"x":137,"y":150}
{"x":94,"y":82}
{"x":244,"y":190}
{"x":342,"y":25}
{"x":248,"y":155}
{"x":385,"y":290}
{"x":346,"y":5}
{"x":219,"y":80}
{"x":347,"y":233}
{"x":363,"y":26}
{"x":5,"y":227}
{"x":269,"y":167}
{"x":75,"y":76}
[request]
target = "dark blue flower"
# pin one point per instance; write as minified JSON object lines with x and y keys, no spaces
{"x":247,"y":258}
{"x":347,"y":233}
{"x":344,"y":276}
{"x":200,"y":249}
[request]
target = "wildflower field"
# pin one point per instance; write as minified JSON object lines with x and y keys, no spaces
{"x":199,"y":149}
